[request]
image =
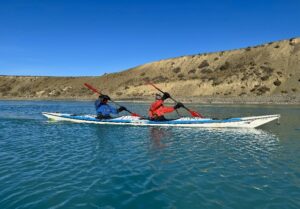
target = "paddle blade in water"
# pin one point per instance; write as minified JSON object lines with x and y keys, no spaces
{"x":195,"y":114}
{"x":135,"y":114}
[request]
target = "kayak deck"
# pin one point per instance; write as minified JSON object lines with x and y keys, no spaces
{"x":244,"y":122}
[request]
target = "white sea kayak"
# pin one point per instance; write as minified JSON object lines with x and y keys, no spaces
{"x":244,"y":122}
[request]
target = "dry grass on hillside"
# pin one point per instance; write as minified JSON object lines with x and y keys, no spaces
{"x":268,"y":70}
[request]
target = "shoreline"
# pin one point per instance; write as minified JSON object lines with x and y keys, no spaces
{"x":270,"y":100}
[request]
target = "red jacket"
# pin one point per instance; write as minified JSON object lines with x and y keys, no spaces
{"x":157,"y":109}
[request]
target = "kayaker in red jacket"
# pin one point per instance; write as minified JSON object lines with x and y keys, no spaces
{"x":157,"y":108}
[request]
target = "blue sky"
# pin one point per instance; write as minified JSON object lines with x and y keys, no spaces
{"x":93,"y":37}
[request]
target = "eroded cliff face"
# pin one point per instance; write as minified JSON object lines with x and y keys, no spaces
{"x":267,"y":70}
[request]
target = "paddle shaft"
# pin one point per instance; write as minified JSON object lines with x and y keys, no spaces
{"x":170,"y":96}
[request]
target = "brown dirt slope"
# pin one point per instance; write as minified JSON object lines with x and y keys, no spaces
{"x":269,"y":71}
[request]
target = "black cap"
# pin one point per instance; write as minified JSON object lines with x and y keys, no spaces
{"x":103,"y":97}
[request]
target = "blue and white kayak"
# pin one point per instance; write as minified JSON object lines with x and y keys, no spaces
{"x":245,"y":122}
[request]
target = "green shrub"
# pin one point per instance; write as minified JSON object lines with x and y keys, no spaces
{"x":192,"y":71}
{"x":181,"y":76}
{"x":206,"y":70}
{"x":264,"y":78}
{"x":176,"y":70}
{"x":245,"y":77}
{"x":57,"y":93}
{"x":262,"y":90}
{"x":225,"y":66}
{"x":292,"y":39}
{"x":5,"y":88}
{"x":257,"y":73}
{"x":203,"y":64}
{"x":267,"y":70}
{"x":277,"y":82}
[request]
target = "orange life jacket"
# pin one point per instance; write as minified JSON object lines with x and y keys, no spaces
{"x":158,"y":109}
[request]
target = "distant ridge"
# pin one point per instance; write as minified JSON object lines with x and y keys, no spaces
{"x":268,"y":73}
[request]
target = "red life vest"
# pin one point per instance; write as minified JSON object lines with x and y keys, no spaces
{"x":157,"y":109}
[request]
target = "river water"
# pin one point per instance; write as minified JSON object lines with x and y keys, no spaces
{"x":65,"y":165}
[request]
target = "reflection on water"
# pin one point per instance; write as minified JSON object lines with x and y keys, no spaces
{"x":157,"y":136}
{"x":160,"y":135}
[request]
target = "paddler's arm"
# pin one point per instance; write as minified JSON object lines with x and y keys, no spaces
{"x":156,"y":105}
{"x":115,"y":111}
{"x":165,"y":109}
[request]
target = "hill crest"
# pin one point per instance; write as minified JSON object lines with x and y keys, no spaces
{"x":267,"y":70}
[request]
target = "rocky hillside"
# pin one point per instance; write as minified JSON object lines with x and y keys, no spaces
{"x":262,"y":72}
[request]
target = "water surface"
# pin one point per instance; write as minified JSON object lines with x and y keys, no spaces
{"x":65,"y":165}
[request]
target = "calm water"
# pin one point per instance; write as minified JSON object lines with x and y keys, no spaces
{"x":64,"y":165}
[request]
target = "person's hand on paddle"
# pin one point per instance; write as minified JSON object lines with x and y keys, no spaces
{"x":178,"y":105}
{"x":121,"y":108}
{"x":165,"y":96}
